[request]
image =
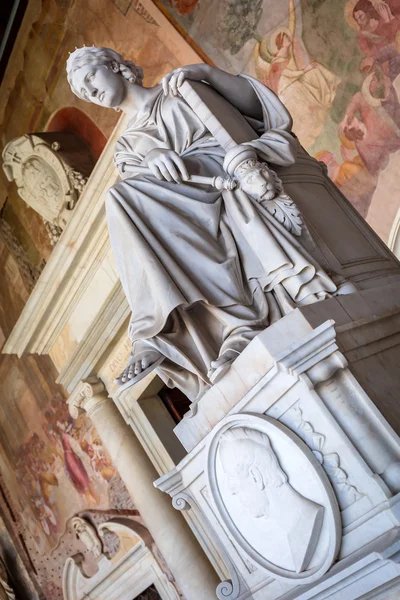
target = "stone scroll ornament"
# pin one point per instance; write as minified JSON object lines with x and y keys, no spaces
{"x":50,"y":170}
{"x":244,"y":170}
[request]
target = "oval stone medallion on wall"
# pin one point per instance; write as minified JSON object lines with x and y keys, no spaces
{"x":273,"y":497}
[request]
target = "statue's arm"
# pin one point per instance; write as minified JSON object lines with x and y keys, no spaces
{"x":237,"y":90}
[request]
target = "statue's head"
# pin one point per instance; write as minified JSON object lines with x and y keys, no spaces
{"x":252,"y":468}
{"x":101,"y":75}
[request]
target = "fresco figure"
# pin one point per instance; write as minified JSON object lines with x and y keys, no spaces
{"x":305,"y":86}
{"x":387,"y":58}
{"x":75,"y":467}
{"x":377,"y":23}
{"x":45,"y":516}
{"x":349,"y":173}
{"x":372,"y":121}
{"x":99,"y":461}
{"x":48,"y":468}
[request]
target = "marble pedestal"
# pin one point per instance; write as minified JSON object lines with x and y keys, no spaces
{"x":293,"y":465}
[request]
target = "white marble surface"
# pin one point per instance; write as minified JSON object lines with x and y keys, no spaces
{"x":293,"y":379}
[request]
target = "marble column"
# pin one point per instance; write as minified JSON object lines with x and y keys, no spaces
{"x":189,"y":565}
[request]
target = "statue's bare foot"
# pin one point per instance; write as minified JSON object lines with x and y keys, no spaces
{"x":221,"y":366}
{"x":139,"y":365}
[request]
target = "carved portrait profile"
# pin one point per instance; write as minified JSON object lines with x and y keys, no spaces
{"x":273,"y":497}
{"x":264,"y":491}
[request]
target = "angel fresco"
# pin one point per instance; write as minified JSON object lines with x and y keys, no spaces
{"x":305,"y":86}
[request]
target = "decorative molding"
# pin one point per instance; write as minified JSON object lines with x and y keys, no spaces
{"x":347,"y":493}
{"x":171,"y":483}
{"x":182,"y":501}
{"x":315,"y":358}
{"x":101,"y":332}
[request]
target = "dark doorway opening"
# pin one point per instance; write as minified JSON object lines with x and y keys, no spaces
{"x":149,"y":594}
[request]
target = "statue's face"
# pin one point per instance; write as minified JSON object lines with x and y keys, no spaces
{"x":257,"y":184}
{"x":100,"y":85}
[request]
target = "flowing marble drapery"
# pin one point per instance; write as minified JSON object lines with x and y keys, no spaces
{"x":204,"y":272}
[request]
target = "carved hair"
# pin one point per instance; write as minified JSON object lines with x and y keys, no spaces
{"x":250,"y":165}
{"x":97,"y":57}
{"x":242,"y":448}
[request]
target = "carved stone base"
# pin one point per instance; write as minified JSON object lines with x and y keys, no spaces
{"x":293,"y":474}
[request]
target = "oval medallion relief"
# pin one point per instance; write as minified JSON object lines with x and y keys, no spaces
{"x":274,"y":498}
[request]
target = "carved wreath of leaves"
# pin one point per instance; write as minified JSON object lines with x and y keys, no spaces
{"x":348,"y":494}
{"x":285,"y":211}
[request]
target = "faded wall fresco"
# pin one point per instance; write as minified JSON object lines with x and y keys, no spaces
{"x":52,"y":467}
{"x":336,"y":67}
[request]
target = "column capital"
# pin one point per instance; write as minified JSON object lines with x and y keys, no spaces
{"x":88,"y":395}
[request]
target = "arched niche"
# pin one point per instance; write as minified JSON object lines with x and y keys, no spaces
{"x":124,"y":576}
{"x":73,"y":120}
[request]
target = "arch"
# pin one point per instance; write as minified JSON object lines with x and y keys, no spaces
{"x":124,"y":576}
{"x":75,"y":120}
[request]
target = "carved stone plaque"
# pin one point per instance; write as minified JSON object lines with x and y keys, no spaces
{"x":42,"y":186}
{"x":50,"y":170}
{"x":273,"y":497}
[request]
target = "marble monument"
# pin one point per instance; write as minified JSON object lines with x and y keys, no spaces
{"x":204,"y":269}
{"x":256,"y":289}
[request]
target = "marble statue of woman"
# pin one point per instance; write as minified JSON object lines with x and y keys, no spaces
{"x":204,"y":271}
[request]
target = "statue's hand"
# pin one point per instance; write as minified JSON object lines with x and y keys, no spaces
{"x":166,"y":164}
{"x":172,"y":81}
